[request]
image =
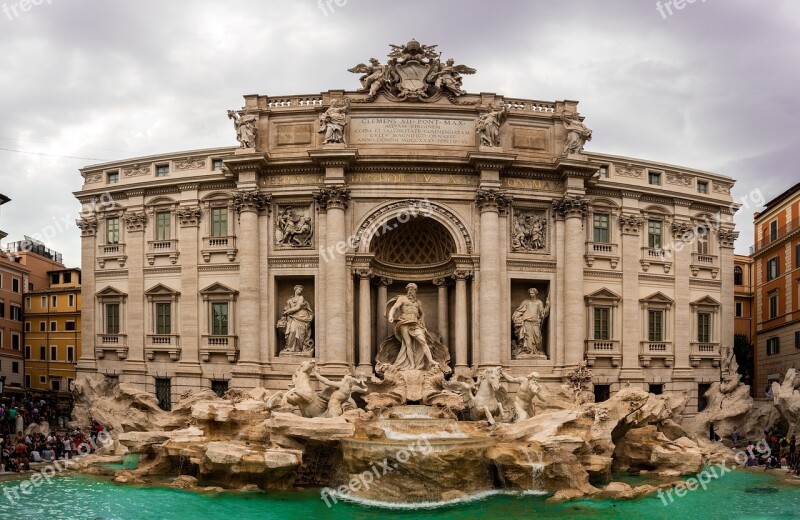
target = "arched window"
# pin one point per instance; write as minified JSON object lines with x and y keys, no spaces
{"x":737,"y":275}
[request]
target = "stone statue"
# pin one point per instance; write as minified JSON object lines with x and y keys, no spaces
{"x":729,"y":369}
{"x":488,"y":126}
{"x":529,"y":390}
{"x":296,"y":320}
{"x":528,"y":233}
{"x":302,"y":395}
{"x":448,"y":76}
{"x":412,"y":346}
{"x":333,"y":121}
{"x":578,"y":382}
{"x":577,"y":133}
{"x":293,"y":228}
{"x":340,"y":401}
{"x":245,"y":128}
{"x":528,"y":320}
{"x":375,"y":76}
{"x":486,"y":401}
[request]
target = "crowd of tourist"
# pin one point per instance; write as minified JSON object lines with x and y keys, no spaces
{"x":16,"y":414}
{"x":20,"y":450}
{"x":781,"y":450}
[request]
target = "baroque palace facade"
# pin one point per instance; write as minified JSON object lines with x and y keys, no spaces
{"x":229,"y":267}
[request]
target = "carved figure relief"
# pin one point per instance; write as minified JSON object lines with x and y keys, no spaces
{"x":529,"y":231}
{"x":294,"y":226}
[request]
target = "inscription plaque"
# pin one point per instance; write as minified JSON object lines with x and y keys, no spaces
{"x":412,"y":130}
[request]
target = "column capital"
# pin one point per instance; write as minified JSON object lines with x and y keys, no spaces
{"x":189,"y":216}
{"x":135,"y":222}
{"x":440,"y":282}
{"x":492,"y":200}
{"x":88,"y":226}
{"x":682,"y":228}
{"x":631,"y":224}
{"x":251,"y":201}
{"x":384,"y":281}
{"x":571,"y":207}
{"x":461,"y":274}
{"x":332,"y":197}
{"x":363,"y":272}
{"x":727,"y":238}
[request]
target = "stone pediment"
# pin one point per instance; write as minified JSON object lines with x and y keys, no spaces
{"x":111,"y":292}
{"x":161,"y":290}
{"x":603,"y":295}
{"x":705,"y":301}
{"x":658,"y":297}
{"x":218,"y":289}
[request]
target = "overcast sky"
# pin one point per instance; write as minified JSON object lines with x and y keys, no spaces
{"x":713,"y":86}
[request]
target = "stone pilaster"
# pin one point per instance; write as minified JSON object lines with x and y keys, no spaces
{"x":135,"y":224}
{"x":383,"y":298}
{"x":490,"y":203}
{"x":557,"y":352}
{"x":364,"y":321}
{"x":461,"y":330}
{"x":682,"y":331}
{"x":573,"y":211}
{"x":248,"y":204}
{"x":333,"y":200}
{"x":86,"y":356}
{"x":631,"y":229}
{"x":442,"y":311}
{"x":189,"y":222}
{"x":727,"y":241}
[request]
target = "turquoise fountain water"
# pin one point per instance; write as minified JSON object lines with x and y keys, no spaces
{"x":78,"y":498}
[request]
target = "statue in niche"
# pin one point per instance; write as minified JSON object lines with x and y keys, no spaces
{"x":333,"y":121}
{"x":528,"y":391}
{"x":527,"y":321}
{"x":340,"y":401}
{"x":412,"y":346}
{"x":528,"y":233}
{"x":296,"y":322}
{"x":577,"y":133}
{"x":294,"y":227}
{"x":245,"y":128}
{"x":488,"y":126}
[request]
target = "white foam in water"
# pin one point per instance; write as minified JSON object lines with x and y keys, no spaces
{"x":380,"y":504}
{"x":405,"y":436}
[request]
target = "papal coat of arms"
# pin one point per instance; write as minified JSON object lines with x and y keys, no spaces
{"x":413,"y":72}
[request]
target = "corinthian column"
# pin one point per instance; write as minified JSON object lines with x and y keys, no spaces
{"x":383,"y":298}
{"x":573,"y":211}
{"x":248,"y":204}
{"x":462,"y":367}
{"x":334,"y":200}
{"x":364,"y":322}
{"x":442,"y":311}
{"x":490,"y":203}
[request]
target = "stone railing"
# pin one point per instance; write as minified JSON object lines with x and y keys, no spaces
{"x":167,"y":343}
{"x":595,"y":250}
{"x":704,"y":350}
{"x":111,"y":343}
{"x":225,"y":245}
{"x":703,"y":261}
{"x":603,"y":349}
{"x":656,"y":350}
{"x":655,"y":255}
{"x":530,"y":106}
{"x":294,"y":102}
{"x":156,"y":248}
{"x":110,"y":253}
{"x":216,"y":344}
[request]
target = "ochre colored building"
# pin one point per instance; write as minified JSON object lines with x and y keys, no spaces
{"x":52,"y":332}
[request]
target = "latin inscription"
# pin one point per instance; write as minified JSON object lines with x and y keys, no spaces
{"x":416,"y":130}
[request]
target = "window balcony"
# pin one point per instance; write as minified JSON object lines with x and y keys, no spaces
{"x":658,"y":256}
{"x":656,"y":350}
{"x":168,"y":248}
{"x":167,"y":343}
{"x":225,"y":245}
{"x":701,"y":351}
{"x":704,"y":262}
{"x":111,"y":343}
{"x":603,"y":349}
{"x":111,"y":253}
{"x":223,"y":345}
{"x":595,"y":250}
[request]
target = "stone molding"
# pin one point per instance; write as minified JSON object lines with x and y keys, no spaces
{"x":135,"y":222}
{"x":251,"y":201}
{"x":189,"y":216}
{"x":727,"y":239}
{"x":332,"y":197}
{"x":492,"y":200}
{"x":88,"y":226}
{"x":570,"y":207}
{"x":631,"y":224}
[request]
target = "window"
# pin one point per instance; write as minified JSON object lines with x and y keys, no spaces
{"x":797,"y":339}
{"x":654,"y":178}
{"x":54,"y":279}
{"x":163,"y":318}
{"x":71,"y":354}
{"x":219,"y":387}
{"x":737,"y":276}
{"x":27,"y":326}
{"x":797,"y":255}
{"x":164,"y":393}
{"x":53,"y":353}
{"x":15,"y":367}
{"x":655,"y":326}
{"x":704,"y":327}
{"x":773,"y":269}
{"x":219,"y":222}
{"x":44,"y":302}
{"x":655,"y":389}
{"x":773,"y":230}
{"x":27,"y":303}
{"x":112,"y":230}
{"x":162,"y":170}
{"x":55,"y":301}
{"x":112,"y":177}
{"x":69,"y":326}
{"x":702,"y":400}
{"x":773,"y":346}
{"x":216,"y":164}
{"x":601,"y":228}
{"x":66,"y":278}
{"x":71,"y":300}
{"x":112,"y":318}
{"x":28,"y":381}
{"x":42,"y":353}
{"x":162,"y":225}
{"x":42,"y":326}
{"x":16,"y":313}
{"x":602,"y":323}
{"x":654,"y":234}
{"x":602,"y":393}
{"x":42,"y":379}
{"x":702,"y":187}
{"x":702,"y":240}
{"x":15,"y":341}
{"x":53,"y":326}
{"x":219,"y":319}
{"x":773,"y":305}
{"x":55,"y":385}
{"x":2,"y":311}
{"x":27,"y":351}
{"x":15,"y":285}
{"x":739,"y":309}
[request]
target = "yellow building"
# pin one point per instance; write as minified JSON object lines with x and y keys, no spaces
{"x":52,"y":332}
